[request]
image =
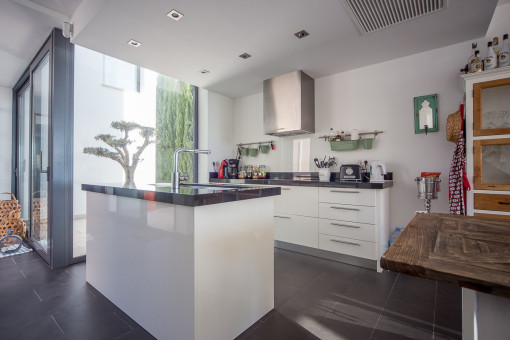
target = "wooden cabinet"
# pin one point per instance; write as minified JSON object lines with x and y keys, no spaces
{"x":488,"y":141}
{"x":492,"y":164}
{"x":491,"y":107}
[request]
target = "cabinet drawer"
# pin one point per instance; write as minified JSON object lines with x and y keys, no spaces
{"x":297,"y":201}
{"x":300,"y":230}
{"x":347,"y":246}
{"x":492,"y":202}
{"x":354,"y":230}
{"x":347,"y":196}
{"x":352,"y":213}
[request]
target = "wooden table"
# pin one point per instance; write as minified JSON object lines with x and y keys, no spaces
{"x":472,"y":252}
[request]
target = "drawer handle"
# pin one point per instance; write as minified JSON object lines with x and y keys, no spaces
{"x":345,"y":192}
{"x":286,"y":217}
{"x":345,"y":225}
{"x":341,"y":208}
{"x":344,"y":242}
{"x":285,"y":188}
{"x":504,"y":203}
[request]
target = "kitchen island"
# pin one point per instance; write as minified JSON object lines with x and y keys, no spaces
{"x":471,"y":252}
{"x":196,"y":263}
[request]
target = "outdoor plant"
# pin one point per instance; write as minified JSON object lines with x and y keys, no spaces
{"x":120,"y":152}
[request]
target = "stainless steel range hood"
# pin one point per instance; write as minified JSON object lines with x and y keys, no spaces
{"x":289,"y":104}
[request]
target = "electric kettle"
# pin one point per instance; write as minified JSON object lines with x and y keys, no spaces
{"x":377,"y":171}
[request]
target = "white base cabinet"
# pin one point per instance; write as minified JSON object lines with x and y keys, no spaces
{"x":353,"y":222}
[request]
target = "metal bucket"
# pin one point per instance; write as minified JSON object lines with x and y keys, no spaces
{"x":428,"y":187}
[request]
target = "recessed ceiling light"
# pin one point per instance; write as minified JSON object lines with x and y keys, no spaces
{"x":301,"y":34}
{"x":245,"y":55}
{"x":204,"y":71}
{"x":176,"y":15}
{"x":134,"y":43}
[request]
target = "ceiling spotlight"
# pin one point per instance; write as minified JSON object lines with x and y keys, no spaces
{"x":134,"y":43}
{"x":175,"y":15}
{"x":204,"y":71}
{"x":245,"y":55}
{"x":301,"y":34}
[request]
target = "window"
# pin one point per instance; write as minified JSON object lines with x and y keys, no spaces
{"x":120,"y":74}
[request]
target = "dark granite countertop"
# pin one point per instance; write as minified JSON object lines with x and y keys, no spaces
{"x":305,"y":180}
{"x":193,"y":195}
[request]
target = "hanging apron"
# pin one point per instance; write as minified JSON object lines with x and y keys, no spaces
{"x":457,"y":181}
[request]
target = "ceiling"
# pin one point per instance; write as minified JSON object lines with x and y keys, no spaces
{"x":213,"y":33}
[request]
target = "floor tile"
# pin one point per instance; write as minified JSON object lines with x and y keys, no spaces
{"x":449,"y":290}
{"x":278,"y":327}
{"x":44,"y":328}
{"x":410,"y":309}
{"x":448,"y":314}
{"x":6,"y":262}
{"x":91,"y":320}
{"x":349,"y":319}
{"x":397,"y":326}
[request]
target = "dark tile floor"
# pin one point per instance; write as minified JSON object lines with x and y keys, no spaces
{"x":314,"y":299}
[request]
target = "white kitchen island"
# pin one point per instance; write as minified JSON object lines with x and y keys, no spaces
{"x":197,"y":264}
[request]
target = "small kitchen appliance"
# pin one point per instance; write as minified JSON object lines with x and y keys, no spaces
{"x":350,"y":173}
{"x":377,"y":171}
{"x":233,"y":168}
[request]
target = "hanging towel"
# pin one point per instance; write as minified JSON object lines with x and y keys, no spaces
{"x":457,"y":181}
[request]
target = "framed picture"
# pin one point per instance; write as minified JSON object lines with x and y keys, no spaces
{"x":425,"y":114}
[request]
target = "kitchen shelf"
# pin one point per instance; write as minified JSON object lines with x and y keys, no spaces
{"x":375,"y":133}
{"x":348,"y":145}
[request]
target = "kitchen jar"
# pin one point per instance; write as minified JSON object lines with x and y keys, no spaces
{"x":262,"y":171}
{"x":249,"y":171}
{"x":242,"y":172}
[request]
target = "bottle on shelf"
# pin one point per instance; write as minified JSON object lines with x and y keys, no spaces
{"x":472,"y":56}
{"x":476,"y":64}
{"x":495,"y":45}
{"x":490,"y":61}
{"x":504,"y":53}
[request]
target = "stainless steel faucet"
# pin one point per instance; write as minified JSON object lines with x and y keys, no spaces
{"x":175,"y":176}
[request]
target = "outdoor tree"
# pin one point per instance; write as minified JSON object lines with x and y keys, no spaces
{"x":120,"y":152}
{"x":174,"y":126}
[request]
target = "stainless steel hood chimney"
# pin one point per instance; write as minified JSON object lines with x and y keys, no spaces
{"x":289,"y":104}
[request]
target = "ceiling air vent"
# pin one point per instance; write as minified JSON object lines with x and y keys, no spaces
{"x":373,"y":15}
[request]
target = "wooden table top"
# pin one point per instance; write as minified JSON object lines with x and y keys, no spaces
{"x":472,"y":252}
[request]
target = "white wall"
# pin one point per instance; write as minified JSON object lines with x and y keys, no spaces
{"x":216,"y":126}
{"x":5,"y":139}
{"x":381,"y":97}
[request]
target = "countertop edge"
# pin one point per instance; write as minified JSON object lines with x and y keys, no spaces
{"x":188,"y":199}
{"x":308,"y":183}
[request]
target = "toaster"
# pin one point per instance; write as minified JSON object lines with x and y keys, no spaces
{"x":350,"y":172}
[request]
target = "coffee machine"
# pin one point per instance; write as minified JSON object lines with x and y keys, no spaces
{"x":233,"y":168}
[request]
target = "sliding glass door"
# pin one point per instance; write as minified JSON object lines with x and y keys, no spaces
{"x":23,"y":156}
{"x":44,"y":150}
{"x":39,"y":228}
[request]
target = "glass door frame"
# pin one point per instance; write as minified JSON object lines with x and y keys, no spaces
{"x":60,"y":187}
{"x":20,"y":88}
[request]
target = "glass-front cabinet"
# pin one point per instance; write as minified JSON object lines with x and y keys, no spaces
{"x":491,"y":107}
{"x":488,"y":142}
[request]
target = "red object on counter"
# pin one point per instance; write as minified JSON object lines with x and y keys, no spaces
{"x":223,"y":166}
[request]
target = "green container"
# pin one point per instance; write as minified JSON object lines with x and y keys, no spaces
{"x":367,"y":143}
{"x":245,"y":151}
{"x":264,"y":148}
{"x":254,"y":152}
{"x":344,"y":145}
